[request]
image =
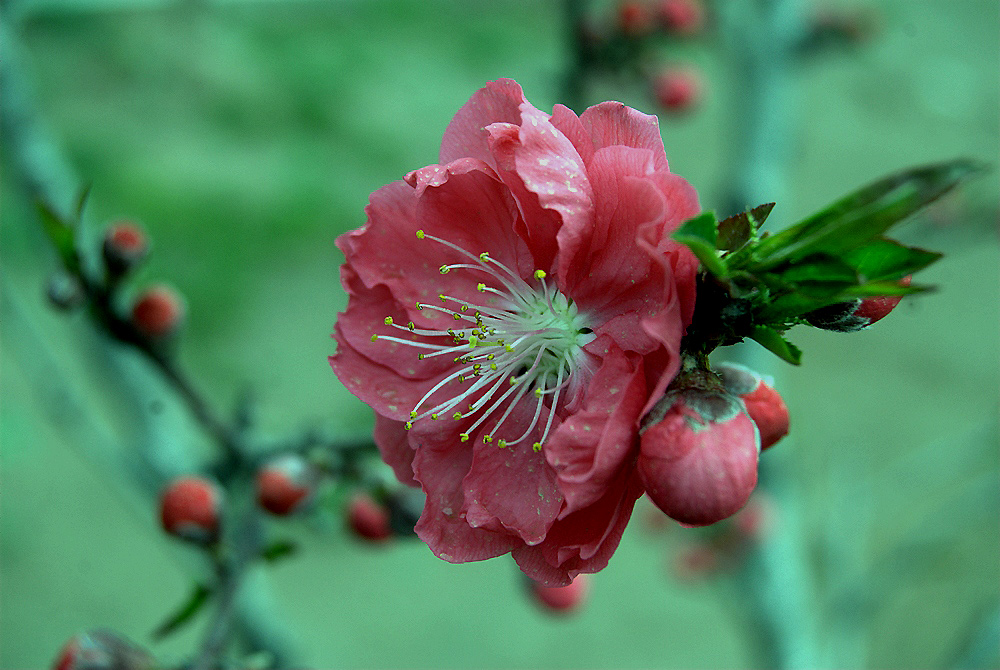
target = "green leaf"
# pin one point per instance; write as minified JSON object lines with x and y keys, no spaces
{"x":703,"y":226}
{"x":81,"y":202}
{"x":61,"y":236}
{"x":278,"y":550}
{"x":880,"y":288}
{"x":699,"y":235}
{"x":199,"y":598}
{"x":772,"y":340}
{"x":820,"y":268}
{"x":865,"y":214}
{"x":738,"y":229}
{"x":883,"y":258}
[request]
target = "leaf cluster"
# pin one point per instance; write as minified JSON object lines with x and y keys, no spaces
{"x":758,"y":285}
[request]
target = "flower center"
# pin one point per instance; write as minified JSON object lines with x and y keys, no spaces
{"x":518,"y":339}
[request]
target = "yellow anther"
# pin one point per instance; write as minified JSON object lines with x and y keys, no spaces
{"x":388,"y":320}
{"x":444,"y":269}
{"x":420,"y":357}
{"x":420,"y":306}
{"x":487,"y":438}
{"x":464,"y":437}
{"x":420,"y":234}
{"x":512,"y":381}
{"x":540,"y":274}
{"x":493,"y":366}
{"x":464,"y":308}
{"x":480,"y":287}
{"x":374,"y":338}
{"x":473,"y":341}
{"x":502,"y":443}
{"x":490,"y":357}
{"x":442,"y":297}
{"x":537,"y":446}
{"x":411,"y":325}
{"x":461,"y":378}
{"x":413,"y":414}
{"x":508,"y":347}
{"x":457,"y":317}
{"x":408,"y":425}
{"x":456,"y":416}
{"x":435,"y":417}
{"x":477,"y":367}
{"x":484,"y":257}
{"x":538,"y":393}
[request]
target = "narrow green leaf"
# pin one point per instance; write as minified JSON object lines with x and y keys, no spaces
{"x":704,"y":227}
{"x":81,"y":201}
{"x":705,"y":252}
{"x":877,"y":288}
{"x":865,"y":214}
{"x":820,"y":268}
{"x":772,"y":340}
{"x":199,"y":598}
{"x":883,"y":258}
{"x":60,"y":234}
{"x":278,"y":550}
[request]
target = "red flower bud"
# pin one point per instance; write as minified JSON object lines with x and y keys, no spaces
{"x":848,"y":317}
{"x":561,"y":599}
{"x":698,"y":455}
{"x":125,"y":245}
{"x":634,"y":19}
{"x":762,"y":402}
{"x":158,"y":312}
{"x":677,"y":89}
{"x":101,"y":650}
{"x":285,"y":484}
{"x":190,"y":508}
{"x":681,"y":17}
{"x":697,"y":562}
{"x":368,"y":519}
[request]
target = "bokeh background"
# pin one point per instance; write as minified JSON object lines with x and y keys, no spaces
{"x":246,"y":135}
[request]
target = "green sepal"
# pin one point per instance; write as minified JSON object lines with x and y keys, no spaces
{"x":882,"y":258}
{"x":771,"y":339}
{"x":699,"y":235}
{"x":853,"y":221}
{"x":61,"y":235}
{"x":199,"y":597}
{"x":735,"y":231}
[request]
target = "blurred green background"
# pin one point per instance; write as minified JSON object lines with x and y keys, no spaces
{"x":245,"y":136}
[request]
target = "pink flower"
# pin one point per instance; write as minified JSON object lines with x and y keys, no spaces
{"x":514,"y":311}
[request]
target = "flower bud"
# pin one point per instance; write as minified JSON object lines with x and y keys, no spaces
{"x":848,"y":317}
{"x":125,"y":245}
{"x":677,"y":89}
{"x":285,"y":484}
{"x":698,"y":455}
{"x":633,"y":19}
{"x":190,"y":508}
{"x":681,"y":17}
{"x":368,"y":518}
{"x":762,"y":402}
{"x":101,"y":650}
{"x":158,"y":312}
{"x":561,"y":599}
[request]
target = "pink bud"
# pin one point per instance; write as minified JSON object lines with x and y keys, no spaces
{"x":190,"y":507}
{"x":762,"y":402}
{"x":698,"y":455}
{"x":677,"y":89}
{"x":697,"y":562}
{"x":681,"y":17}
{"x":878,"y":307}
{"x":561,"y":599}
{"x":633,"y":19}
{"x":158,"y":312}
{"x":125,"y":245}
{"x":368,"y":519}
{"x":285,"y":484}
{"x":101,"y":650}
{"x":848,"y":317}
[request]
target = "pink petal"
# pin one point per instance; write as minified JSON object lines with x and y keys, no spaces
{"x":466,"y":136}
{"x":440,"y":464}
{"x":569,"y":124}
{"x":597,"y":441}
{"x":615,"y":124}
{"x":394,"y":445}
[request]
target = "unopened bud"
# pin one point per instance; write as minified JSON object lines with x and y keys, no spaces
{"x":677,"y":89}
{"x":634,"y":19}
{"x":762,"y":402}
{"x":125,"y":245}
{"x":158,"y":312}
{"x":101,"y":650}
{"x":561,"y":599}
{"x":368,"y":518}
{"x":681,"y":17}
{"x":285,"y":484}
{"x":64,"y":291}
{"x":849,"y":317}
{"x":190,"y":507}
{"x":698,"y":455}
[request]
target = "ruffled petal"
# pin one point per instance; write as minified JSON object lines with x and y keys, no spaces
{"x":612,"y":124}
{"x":498,"y":101}
{"x":393,"y":443}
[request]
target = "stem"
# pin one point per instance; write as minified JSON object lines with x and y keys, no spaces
{"x":575,"y":12}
